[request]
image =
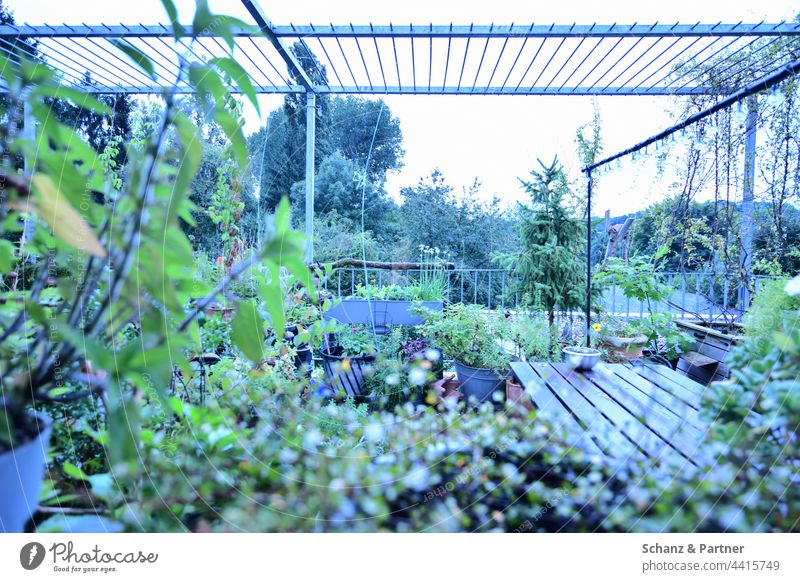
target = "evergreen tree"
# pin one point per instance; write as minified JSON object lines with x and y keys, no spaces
{"x":550,"y":264}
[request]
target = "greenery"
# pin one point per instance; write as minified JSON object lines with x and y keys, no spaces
{"x":354,"y":340}
{"x":469,"y":335}
{"x":79,"y":326}
{"x":145,"y":234}
{"x":769,"y":310}
{"x":638,"y":279}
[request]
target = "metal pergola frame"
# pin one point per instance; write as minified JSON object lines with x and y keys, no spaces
{"x":514,"y":59}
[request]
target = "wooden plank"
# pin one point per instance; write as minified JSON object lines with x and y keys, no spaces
{"x":646,"y":396}
{"x":698,"y":359}
{"x":596,"y":388}
{"x":715,"y":353}
{"x":675,"y":383}
{"x":684,"y":432}
{"x":605,"y":432}
{"x":669,"y":394}
{"x":554,"y":410}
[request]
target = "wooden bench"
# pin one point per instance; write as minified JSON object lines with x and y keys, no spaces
{"x":705,"y":361}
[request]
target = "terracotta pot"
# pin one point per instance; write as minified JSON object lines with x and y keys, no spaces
{"x":447,"y":387}
{"x":516,"y":393}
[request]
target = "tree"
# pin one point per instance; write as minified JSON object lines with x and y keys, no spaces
{"x":339,"y":187}
{"x":549,"y":265}
{"x":353,"y":122}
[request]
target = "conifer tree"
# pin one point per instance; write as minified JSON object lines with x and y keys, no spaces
{"x":550,"y":264}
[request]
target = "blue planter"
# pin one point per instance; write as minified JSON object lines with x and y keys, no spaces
{"x":21,"y":474}
{"x":478,"y":383}
{"x":381,"y":312}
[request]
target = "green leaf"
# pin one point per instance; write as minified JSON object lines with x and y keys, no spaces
{"x":247,"y":331}
{"x":187,"y":169}
{"x":52,"y":206}
{"x":79,"y":98}
{"x":233,"y":130}
{"x":236,"y":72}
{"x":75,"y":472}
{"x":172,"y":13}
{"x":138,"y":57}
{"x":6,"y":255}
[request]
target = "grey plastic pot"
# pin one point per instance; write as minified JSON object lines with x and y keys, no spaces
{"x":478,"y":383}
{"x":21,"y":475}
{"x":347,"y":377}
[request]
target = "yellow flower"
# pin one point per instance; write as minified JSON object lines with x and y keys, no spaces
{"x":596,"y":326}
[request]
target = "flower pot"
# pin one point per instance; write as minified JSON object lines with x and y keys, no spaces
{"x":478,"y":383}
{"x":380,"y":312}
{"x":624,"y":347}
{"x":346,"y":373}
{"x":22,"y":471}
{"x":304,"y":360}
{"x":516,"y":394}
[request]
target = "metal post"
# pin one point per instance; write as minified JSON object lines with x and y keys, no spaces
{"x":311,"y":120}
{"x":28,"y":131}
{"x":746,"y":255}
{"x":588,"y":257}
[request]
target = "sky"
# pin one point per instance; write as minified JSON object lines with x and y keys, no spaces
{"x":496,"y":139}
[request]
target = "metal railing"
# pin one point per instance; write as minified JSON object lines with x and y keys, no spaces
{"x":695,"y":294}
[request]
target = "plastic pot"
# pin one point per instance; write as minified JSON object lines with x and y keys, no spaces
{"x":346,"y":373}
{"x":478,"y":383}
{"x":304,"y":360}
{"x":22,"y":471}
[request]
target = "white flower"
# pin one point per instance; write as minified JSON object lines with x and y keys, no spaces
{"x":417,"y":376}
{"x":432,"y":355}
{"x":374,"y":432}
{"x":793,"y":286}
{"x":393,"y":379}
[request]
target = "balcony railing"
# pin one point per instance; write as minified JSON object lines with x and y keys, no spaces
{"x":695,"y":294}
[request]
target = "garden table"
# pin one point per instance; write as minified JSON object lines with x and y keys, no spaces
{"x":629,"y":412}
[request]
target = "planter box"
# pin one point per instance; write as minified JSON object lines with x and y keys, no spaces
{"x":382,"y":312}
{"x":704,"y":362}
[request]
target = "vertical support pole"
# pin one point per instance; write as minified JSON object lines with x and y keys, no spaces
{"x":311,"y":121}
{"x":588,"y":257}
{"x":28,"y":131}
{"x":746,"y":255}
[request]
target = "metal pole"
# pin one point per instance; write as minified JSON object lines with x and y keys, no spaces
{"x":746,"y":255}
{"x":311,"y":120}
{"x":28,"y":131}
{"x":588,"y":256}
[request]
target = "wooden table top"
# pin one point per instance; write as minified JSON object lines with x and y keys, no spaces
{"x":626,"y":412}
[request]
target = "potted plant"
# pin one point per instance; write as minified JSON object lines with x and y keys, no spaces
{"x":620,"y":336}
{"x":347,"y":355}
{"x":302,"y":315}
{"x":639,"y":279}
{"x":470,"y":337}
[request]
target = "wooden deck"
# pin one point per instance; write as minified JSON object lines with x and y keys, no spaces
{"x":644,"y":412}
